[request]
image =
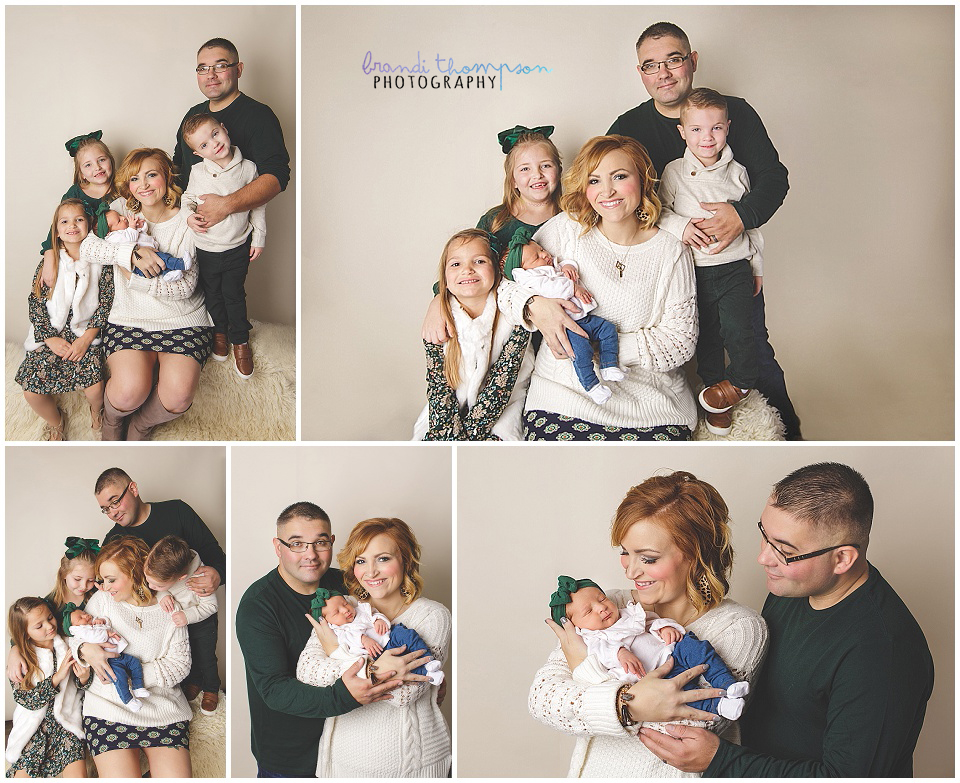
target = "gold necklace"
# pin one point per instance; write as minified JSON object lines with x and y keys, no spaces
{"x":618,"y":259}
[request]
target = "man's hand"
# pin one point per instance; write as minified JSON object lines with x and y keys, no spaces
{"x":571,"y":643}
{"x":204,"y":581}
{"x":688,"y":748}
{"x":255,"y":253}
{"x":659,"y":699}
{"x":214,"y":208}
{"x":550,"y":317}
{"x":363,"y":690}
{"x":630,"y":662}
{"x":725,"y":224}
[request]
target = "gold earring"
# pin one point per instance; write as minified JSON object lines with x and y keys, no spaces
{"x":363,"y":594}
{"x":642,"y":215}
{"x":140,"y":594}
{"x":168,"y":200}
{"x":703,"y":584}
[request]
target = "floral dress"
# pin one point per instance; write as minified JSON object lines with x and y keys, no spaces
{"x":52,"y":748}
{"x":42,"y":371}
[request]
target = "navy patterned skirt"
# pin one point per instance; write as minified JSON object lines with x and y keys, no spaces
{"x":544,"y":425}
{"x":195,"y":341}
{"x":104,"y":735}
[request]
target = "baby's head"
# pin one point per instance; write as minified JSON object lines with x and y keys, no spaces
{"x":168,"y":562}
{"x":524,"y":253}
{"x":116,"y":221}
{"x":704,"y":124}
{"x":72,"y":615}
{"x":332,"y":607}
{"x":583,"y":603}
{"x":208,"y":137}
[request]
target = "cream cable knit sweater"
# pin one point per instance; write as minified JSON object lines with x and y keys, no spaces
{"x":654,"y":308}
{"x":402,"y":737}
{"x":156,"y":305}
{"x":604,"y":748}
{"x":164,"y":652}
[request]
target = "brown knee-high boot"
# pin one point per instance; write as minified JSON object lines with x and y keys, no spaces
{"x":148,"y":416}
{"x":113,"y":421}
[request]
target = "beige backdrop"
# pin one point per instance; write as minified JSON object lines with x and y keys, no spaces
{"x":538,"y":536}
{"x":859,"y":260}
{"x":350,"y":483}
{"x":136,"y":86}
{"x":49,"y":496}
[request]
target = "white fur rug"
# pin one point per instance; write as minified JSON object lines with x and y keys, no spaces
{"x":753,"y":419}
{"x":226,"y":406}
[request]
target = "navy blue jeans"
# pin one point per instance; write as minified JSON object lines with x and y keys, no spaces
{"x":400,"y":634}
{"x":203,"y":649}
{"x":125,"y":667}
{"x":169,"y":263}
{"x":605,"y":334}
{"x":691,"y":651}
{"x":223,"y":275}
{"x":725,"y":307}
{"x":771,"y":383}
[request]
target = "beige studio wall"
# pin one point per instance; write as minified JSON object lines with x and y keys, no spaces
{"x":129,"y":71}
{"x":49,"y":496}
{"x":859,"y":259}
{"x":351,"y":483}
{"x":558,"y":520}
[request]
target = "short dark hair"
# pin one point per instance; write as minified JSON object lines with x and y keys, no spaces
{"x":193,"y":123}
{"x":110,"y":476}
{"x":660,"y":29}
{"x":828,"y":494}
{"x":221,"y":43}
{"x":302,"y":509}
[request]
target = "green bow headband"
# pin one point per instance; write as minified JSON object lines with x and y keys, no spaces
{"x":520,"y":239}
{"x":509,"y":137}
{"x":101,"y":218}
{"x":76,"y":545}
{"x":68,"y":609}
{"x":566,"y":587}
{"x":74,"y":144}
{"x":323,"y":595}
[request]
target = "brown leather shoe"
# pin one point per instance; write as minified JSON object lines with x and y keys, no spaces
{"x":209,"y":702}
{"x":719,"y":423}
{"x":190,"y":691}
{"x":721,"y":397}
{"x":221,"y":349}
{"x":244,"y":359}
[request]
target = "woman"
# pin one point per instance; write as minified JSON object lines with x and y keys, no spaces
{"x":115,"y":733}
{"x":405,"y":736}
{"x":154,"y":326}
{"x":642,"y":279}
{"x":674,"y":538}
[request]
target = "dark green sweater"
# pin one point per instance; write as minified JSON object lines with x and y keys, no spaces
{"x":842,"y":693}
{"x":286,"y":715}
{"x":176,"y":518}
{"x":748,"y":139}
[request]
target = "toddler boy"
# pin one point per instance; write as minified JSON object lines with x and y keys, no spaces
{"x":169,"y":565}
{"x":225,"y":250}
{"x":727,"y":280}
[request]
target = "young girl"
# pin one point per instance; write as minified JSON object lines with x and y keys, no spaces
{"x":47,"y":735}
{"x":477,"y":382}
{"x":63,"y":345}
{"x":76,"y":584}
{"x":93,"y":184}
{"x":531,"y":196}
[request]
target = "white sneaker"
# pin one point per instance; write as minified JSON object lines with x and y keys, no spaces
{"x":599,"y":394}
{"x":612,"y":374}
{"x":142,"y":693}
{"x":134,"y":705}
{"x":736,"y":691}
{"x":730,"y":708}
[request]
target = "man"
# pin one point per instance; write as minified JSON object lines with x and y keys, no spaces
{"x":252,"y":125}
{"x":119,"y":498}
{"x":848,"y":673}
{"x":286,"y":715}
{"x":666,"y":67}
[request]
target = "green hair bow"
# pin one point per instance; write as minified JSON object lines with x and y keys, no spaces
{"x":68,"y":609}
{"x":74,"y":144}
{"x":323,"y":595}
{"x":101,"y":219}
{"x":508,"y":138}
{"x":75,"y":545}
{"x":521,"y":237}
{"x":566,"y":587}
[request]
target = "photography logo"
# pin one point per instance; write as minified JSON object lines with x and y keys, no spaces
{"x":443,"y":73}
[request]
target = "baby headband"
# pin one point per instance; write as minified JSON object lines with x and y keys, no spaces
{"x":101,"y":218}
{"x":509,"y":137}
{"x":521,"y":237}
{"x":323,"y":595}
{"x":566,"y":587}
{"x":68,"y":609}
{"x":74,"y":143}
{"x":75,"y":545}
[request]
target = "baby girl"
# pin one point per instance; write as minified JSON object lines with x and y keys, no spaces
{"x":121,"y":232}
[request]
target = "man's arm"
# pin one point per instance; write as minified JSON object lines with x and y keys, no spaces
{"x":215,"y":208}
{"x":199,"y":538}
{"x":768,"y":176}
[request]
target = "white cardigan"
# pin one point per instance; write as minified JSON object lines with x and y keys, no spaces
{"x":604,"y":748}
{"x":402,"y":737}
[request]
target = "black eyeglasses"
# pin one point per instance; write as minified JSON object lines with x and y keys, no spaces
{"x":114,"y":503}
{"x":216,"y":67}
{"x":672,"y":64}
{"x":301,"y":546}
{"x":787,"y":560}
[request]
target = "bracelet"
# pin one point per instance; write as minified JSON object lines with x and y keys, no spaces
{"x":526,"y":310}
{"x":80,"y":653}
{"x":370,"y":674}
{"x":623,"y":709}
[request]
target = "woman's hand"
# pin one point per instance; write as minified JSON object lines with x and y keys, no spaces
{"x":63,"y":671}
{"x":571,"y":643}
{"x":396,"y":664}
{"x":551,"y":319}
{"x":657,"y":699}
{"x":435,"y":328}
{"x":147,"y":261}
{"x":97,"y":656}
{"x":16,"y":666}
{"x":59,"y":346}
{"x":205,"y":580}
{"x":363,"y":690}
{"x":81,"y":345}
{"x":325,"y":635}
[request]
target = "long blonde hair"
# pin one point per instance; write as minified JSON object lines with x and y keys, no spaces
{"x":511,"y":196}
{"x":17,"y":625}
{"x":453,"y":353}
{"x":78,"y":179}
{"x":59,"y":593}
